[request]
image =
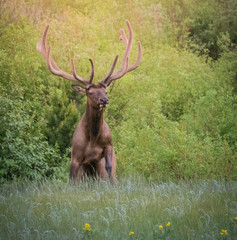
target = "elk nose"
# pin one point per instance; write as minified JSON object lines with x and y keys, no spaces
{"x":104,"y":100}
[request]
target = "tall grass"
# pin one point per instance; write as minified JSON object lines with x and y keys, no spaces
{"x":55,"y":210}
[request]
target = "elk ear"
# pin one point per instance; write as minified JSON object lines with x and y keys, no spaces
{"x":79,"y":89}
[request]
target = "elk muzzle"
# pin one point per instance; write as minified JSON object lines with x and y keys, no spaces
{"x":104,"y":101}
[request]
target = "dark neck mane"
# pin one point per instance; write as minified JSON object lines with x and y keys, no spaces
{"x":94,"y":121}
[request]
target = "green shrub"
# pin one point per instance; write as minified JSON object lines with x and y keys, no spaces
{"x":61,"y":118}
{"x":24,"y":152}
{"x":208,"y":25}
{"x":174,"y":117}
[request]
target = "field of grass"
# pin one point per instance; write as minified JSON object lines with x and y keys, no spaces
{"x":150,"y":210}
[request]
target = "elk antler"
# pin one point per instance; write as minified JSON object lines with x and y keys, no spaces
{"x":42,"y":48}
{"x":125,"y":65}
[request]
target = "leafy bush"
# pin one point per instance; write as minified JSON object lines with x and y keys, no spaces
{"x":174,"y":117}
{"x":61,"y":117}
{"x":209,"y":24}
{"x":24,"y":152}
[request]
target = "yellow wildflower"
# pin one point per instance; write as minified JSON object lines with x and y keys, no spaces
{"x":224,"y":232}
{"x":131,"y":233}
{"x":168,"y":224}
{"x":160,"y":227}
{"x":87,"y":227}
{"x":235,"y":218}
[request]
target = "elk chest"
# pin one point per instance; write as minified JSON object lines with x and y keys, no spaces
{"x":93,"y":152}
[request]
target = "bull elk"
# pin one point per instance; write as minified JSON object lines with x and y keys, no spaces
{"x":92,"y":146}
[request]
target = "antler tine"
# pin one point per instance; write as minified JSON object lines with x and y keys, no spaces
{"x":42,"y":48}
{"x":125,"y":65}
{"x":92,"y":71}
{"x":128,"y":43}
{"x":125,"y":40}
{"x":80,"y":79}
{"x":41,"y":45}
{"x":107,"y":76}
{"x":139,"y":57}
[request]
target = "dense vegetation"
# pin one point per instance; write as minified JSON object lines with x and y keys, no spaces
{"x":175,"y":117}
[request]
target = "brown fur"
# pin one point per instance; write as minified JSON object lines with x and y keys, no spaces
{"x":92,"y":145}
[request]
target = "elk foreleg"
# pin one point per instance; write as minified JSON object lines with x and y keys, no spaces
{"x":76,"y":172}
{"x":108,"y":162}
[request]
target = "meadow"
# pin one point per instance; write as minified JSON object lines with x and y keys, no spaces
{"x":134,"y":209}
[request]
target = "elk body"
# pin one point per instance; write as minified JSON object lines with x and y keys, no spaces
{"x":92,"y":146}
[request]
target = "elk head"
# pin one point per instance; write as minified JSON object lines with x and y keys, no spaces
{"x":96,"y":93}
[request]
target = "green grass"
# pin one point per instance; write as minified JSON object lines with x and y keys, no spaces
{"x":55,"y":210}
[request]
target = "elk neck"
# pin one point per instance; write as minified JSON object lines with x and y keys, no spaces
{"x":94,"y":121}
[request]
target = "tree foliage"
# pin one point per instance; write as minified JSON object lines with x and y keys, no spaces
{"x":174,"y":117}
